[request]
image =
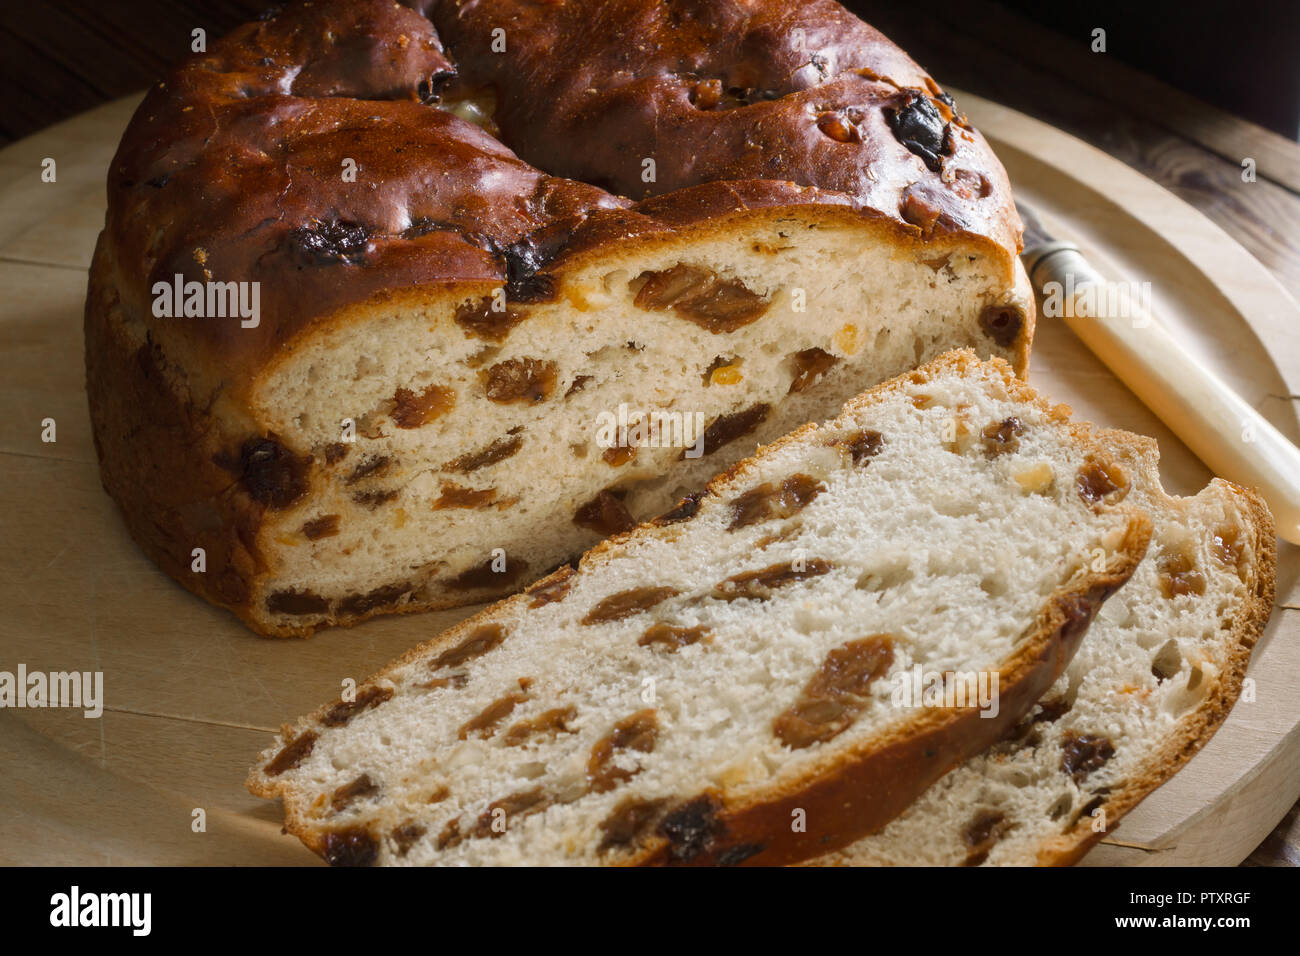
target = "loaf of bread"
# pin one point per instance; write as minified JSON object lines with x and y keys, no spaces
{"x":727,"y":683}
{"x":374,"y":328}
{"x":1161,"y":667}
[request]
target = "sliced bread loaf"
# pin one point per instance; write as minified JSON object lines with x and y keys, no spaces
{"x":1162,"y":666}
{"x":720,"y":685}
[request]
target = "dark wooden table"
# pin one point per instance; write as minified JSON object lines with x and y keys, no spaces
{"x":59,"y":58}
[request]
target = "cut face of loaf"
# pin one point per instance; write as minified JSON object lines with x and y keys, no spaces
{"x":1161,"y":668}
{"x":722,"y":685}
{"x":487,"y":443}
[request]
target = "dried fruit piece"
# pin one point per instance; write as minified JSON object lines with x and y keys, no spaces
{"x":628,"y":822}
{"x":839,"y":128}
{"x":484,"y":724}
{"x":405,"y":836}
{"x":329,"y":243}
{"x":671,"y":639}
{"x":326,"y":526}
{"x":484,"y":320}
{"x":837,"y":693}
{"x":769,"y":501}
{"x":548,"y":591}
{"x":454,"y":496}
{"x":297,"y":602}
{"x":605,"y":514}
{"x":1101,"y":483}
{"x":486,"y":575}
{"x":809,"y":366}
{"x":727,"y":428}
{"x":367,"y":697}
{"x":351,"y":847}
{"x":691,"y":828}
{"x":374,"y":466}
{"x":862,"y":445}
{"x":918,"y":125}
{"x":547,"y":723}
{"x":477,"y":643}
{"x":1002,"y":438}
{"x":358,"y":789}
{"x":685,"y":510}
{"x":1081,"y":754}
{"x":1179,"y":575}
{"x":981,"y":834}
{"x":639,"y":732}
{"x":384,"y":596}
{"x":624,"y":604}
{"x":519,"y":380}
{"x":1002,"y":323}
{"x":272,"y":475}
{"x":715,"y":304}
{"x":499,"y":450}
{"x":759,"y":584}
{"x":414,"y":409}
{"x":292,"y":754}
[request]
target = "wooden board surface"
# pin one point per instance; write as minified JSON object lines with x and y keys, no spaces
{"x":191,"y":696}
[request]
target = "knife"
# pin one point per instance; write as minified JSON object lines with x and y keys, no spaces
{"x":1115,"y":322}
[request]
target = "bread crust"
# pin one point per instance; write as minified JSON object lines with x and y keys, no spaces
{"x":852,"y":794}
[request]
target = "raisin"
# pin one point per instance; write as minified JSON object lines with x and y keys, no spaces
{"x":372,"y":467}
{"x":774,"y":501}
{"x":405,"y":836}
{"x":484,"y":724}
{"x":414,"y":409}
{"x":738,"y":854}
{"x":981,"y":834}
{"x":483,"y":321}
{"x":352,"y":847}
{"x":700,"y":295}
{"x":549,"y":591}
{"x":837,"y":693}
{"x":628,"y":822}
{"x":521,"y":804}
{"x":374,"y":498}
{"x":389,"y":594}
{"x":326,"y":526}
{"x":605,"y":514}
{"x":1002,"y":438}
{"x":1002,"y":323}
{"x":624,"y":604}
{"x":691,"y":828}
{"x":1179,"y":576}
{"x":297,"y":603}
{"x":524,"y":282}
{"x":639,"y":732}
{"x":727,"y":428}
{"x":579,"y":383}
{"x":918,"y":125}
{"x":454,"y":496}
{"x":335,"y":452}
{"x":617,"y":455}
{"x":1226,"y":546}
{"x":292,"y":754}
{"x":759,"y":584}
{"x":358,"y":789}
{"x":272,"y":475}
{"x":1051,"y":711}
{"x":839,"y":128}
{"x":519,"y":380}
{"x":479,"y":641}
{"x":810,"y":365}
{"x":1098,"y":483}
{"x":499,"y":450}
{"x":329,"y":243}
{"x":671,"y":639}
{"x":1081,"y":754}
{"x":486,"y":576}
{"x":685,"y":510}
{"x":863,"y":444}
{"x":366,"y":698}
{"x":548,"y":722}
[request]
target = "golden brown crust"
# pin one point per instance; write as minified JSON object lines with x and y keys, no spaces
{"x":849,"y":795}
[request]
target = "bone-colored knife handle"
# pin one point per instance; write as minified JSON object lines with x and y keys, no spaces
{"x":1226,"y":433}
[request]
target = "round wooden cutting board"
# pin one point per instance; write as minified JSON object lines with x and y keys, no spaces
{"x":191,"y":697}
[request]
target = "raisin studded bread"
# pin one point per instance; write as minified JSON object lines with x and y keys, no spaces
{"x":718,"y":685}
{"x":730,"y":216}
{"x":1160,"y":669}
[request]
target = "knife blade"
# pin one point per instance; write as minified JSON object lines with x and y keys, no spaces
{"x":1115,"y":322}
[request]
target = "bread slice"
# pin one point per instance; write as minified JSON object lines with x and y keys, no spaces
{"x":426,"y":410}
{"x":1161,"y":668}
{"x":719,"y":685}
